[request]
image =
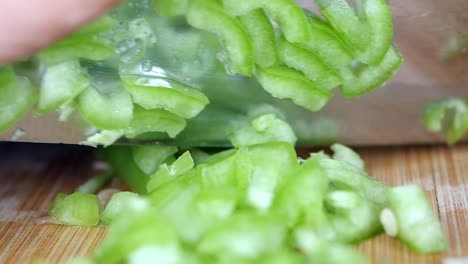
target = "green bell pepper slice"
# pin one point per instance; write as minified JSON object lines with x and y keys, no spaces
{"x":288,"y":13}
{"x":165,"y":93}
{"x":18,"y":96}
{"x":457,"y":123}
{"x":171,"y":7}
{"x":154,"y":120}
{"x":121,"y":160}
{"x":210,"y":16}
{"x":367,"y":78}
{"x":316,"y":70}
{"x":60,"y":84}
{"x":106,"y":107}
{"x":262,"y":35}
{"x":417,"y":225}
{"x":283,"y":82}
{"x":77,"y":209}
{"x":148,"y":158}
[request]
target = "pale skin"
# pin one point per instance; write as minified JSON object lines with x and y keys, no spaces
{"x":27,"y":26}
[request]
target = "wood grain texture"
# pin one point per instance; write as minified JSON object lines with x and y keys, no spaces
{"x":31,"y":175}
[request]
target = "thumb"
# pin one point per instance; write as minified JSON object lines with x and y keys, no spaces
{"x":29,"y":25}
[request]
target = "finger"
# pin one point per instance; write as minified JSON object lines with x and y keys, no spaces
{"x":29,"y":25}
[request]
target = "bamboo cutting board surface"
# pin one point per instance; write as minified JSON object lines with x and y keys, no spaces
{"x":31,"y":175}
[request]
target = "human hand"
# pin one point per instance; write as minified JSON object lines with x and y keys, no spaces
{"x":29,"y":25}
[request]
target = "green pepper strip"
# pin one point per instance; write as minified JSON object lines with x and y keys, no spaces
{"x":107,"y":110}
{"x":320,"y":73}
{"x":457,"y":124}
{"x":371,"y":77}
{"x":18,"y":96}
{"x":353,"y":218}
{"x":290,"y":16}
{"x":261,"y":32}
{"x":343,"y":19}
{"x":300,"y":199}
{"x":121,"y":160}
{"x":154,"y":120}
{"x":416,"y":224}
{"x":348,"y":177}
{"x":175,"y":97}
{"x":60,"y":84}
{"x":210,"y":16}
{"x":282,"y":82}
{"x":327,"y":44}
{"x":148,"y":158}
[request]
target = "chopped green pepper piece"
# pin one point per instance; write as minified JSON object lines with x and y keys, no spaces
{"x":290,"y":16}
{"x":262,"y":35}
{"x":345,"y":21}
{"x":346,"y":154}
{"x":456,"y":110}
{"x":327,"y":44}
{"x":138,"y":229}
{"x":418,"y":227}
{"x":320,"y":73}
{"x":209,"y":15}
{"x":121,"y":160}
{"x":107,"y":107}
{"x":167,"y":173}
{"x":372,"y":77}
{"x":18,"y":96}
{"x":324,"y":252}
{"x":80,"y":209}
{"x":262,"y":168}
{"x":265,"y":128}
{"x":175,"y":97}
{"x":349,"y":177}
{"x":282,"y":82}
{"x":120,"y":204}
{"x":94,"y":184}
{"x":378,"y":16}
{"x":300,"y":199}
{"x":219,"y":170}
{"x":246,"y":235}
{"x":154,"y":120}
{"x":148,"y":158}
{"x":60,"y":84}
{"x":353,"y":218}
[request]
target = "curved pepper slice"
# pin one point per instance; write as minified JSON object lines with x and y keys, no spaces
{"x":208,"y":15}
{"x":353,"y":218}
{"x":327,"y":44}
{"x":258,"y":26}
{"x":416,"y":224}
{"x":106,"y":108}
{"x":60,"y":84}
{"x":282,"y":82}
{"x":371,"y":77}
{"x":18,"y":96}
{"x":175,"y":97}
{"x":154,"y":120}
{"x":345,"y":21}
{"x":290,"y":16}
{"x":323,"y":75}
{"x":370,"y":33}
{"x":457,"y":124}
{"x":378,"y":16}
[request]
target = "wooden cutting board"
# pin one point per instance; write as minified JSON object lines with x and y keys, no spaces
{"x":31,"y":175}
